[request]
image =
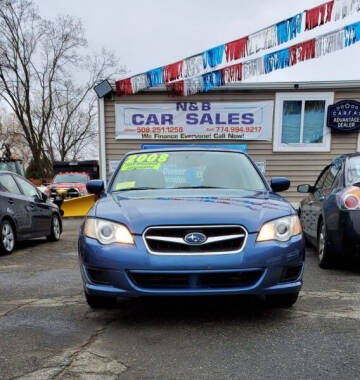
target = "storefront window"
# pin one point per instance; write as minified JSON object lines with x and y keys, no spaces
{"x":300,"y":122}
{"x":314,"y":119}
{"x":291,"y":122}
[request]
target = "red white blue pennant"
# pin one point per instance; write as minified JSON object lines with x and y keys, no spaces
{"x":197,"y":72}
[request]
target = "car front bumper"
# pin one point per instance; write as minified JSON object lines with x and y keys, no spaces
{"x":130,"y":271}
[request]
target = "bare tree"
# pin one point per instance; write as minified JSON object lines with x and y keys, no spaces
{"x":38,"y":60}
{"x":72,"y":128}
{"x":13,"y":143}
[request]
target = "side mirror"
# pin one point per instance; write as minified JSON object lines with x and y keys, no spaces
{"x":279,"y":184}
{"x":304,"y":188}
{"x":95,"y":186}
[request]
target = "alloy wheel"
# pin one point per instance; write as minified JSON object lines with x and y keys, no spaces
{"x":8,"y":237}
{"x":321,"y":242}
{"x":56,"y":227}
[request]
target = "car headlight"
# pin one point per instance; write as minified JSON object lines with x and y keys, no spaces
{"x":107,"y":232}
{"x":281,"y":229}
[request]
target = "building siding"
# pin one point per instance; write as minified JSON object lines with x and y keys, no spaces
{"x":299,"y":167}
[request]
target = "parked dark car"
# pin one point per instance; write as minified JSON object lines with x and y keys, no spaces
{"x":25,"y":213}
{"x":330,"y":214}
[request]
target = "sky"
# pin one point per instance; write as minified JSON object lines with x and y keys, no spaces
{"x":146,"y":34}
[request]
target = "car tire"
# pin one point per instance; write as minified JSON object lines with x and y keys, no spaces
{"x":7,"y":238}
{"x":281,"y":300}
{"x":100,"y":302}
{"x":55,"y":228}
{"x":325,"y":256}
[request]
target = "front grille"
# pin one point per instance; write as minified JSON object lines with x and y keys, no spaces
{"x":207,"y":280}
{"x":156,"y":280}
{"x":224,"y":239}
{"x":70,"y":193}
{"x":235,"y":279}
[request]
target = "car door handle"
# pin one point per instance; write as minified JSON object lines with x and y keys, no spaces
{"x":11,"y":201}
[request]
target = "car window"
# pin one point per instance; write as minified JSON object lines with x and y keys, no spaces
{"x":71,"y":178}
{"x":8,"y":183}
{"x":320,"y":181}
{"x":353,"y":170}
{"x":28,"y":189}
{"x":336,"y":183}
{"x":330,"y":178}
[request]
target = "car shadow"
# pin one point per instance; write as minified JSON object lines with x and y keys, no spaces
{"x":346,"y":263}
{"x":26,"y":244}
{"x":352,"y":266}
{"x":202,"y":309}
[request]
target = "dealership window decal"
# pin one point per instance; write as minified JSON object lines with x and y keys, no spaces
{"x":300,"y":122}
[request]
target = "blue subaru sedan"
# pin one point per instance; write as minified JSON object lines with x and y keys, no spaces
{"x":181,"y":222}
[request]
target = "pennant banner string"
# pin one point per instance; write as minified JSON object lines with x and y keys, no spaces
{"x":344,"y":8}
{"x":310,"y":49}
{"x":264,"y":39}
{"x":139,"y":82}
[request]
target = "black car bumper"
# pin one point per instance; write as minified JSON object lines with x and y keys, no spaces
{"x":343,"y":229}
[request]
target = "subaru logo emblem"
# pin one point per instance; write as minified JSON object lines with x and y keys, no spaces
{"x":195,"y":238}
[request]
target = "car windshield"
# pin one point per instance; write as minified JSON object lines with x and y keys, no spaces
{"x":187,"y":169}
{"x":71,"y":178}
{"x":353,"y":172}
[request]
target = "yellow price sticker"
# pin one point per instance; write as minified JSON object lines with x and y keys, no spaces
{"x":144,"y":161}
{"x":125,"y":185}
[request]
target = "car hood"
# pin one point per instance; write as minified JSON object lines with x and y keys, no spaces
{"x":248,"y":208}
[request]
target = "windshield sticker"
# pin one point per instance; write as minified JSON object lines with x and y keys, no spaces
{"x":175,"y":176}
{"x":152,"y":161}
{"x":125,"y":185}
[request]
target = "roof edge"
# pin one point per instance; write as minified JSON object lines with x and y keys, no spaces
{"x":346,"y":84}
{"x":279,"y":85}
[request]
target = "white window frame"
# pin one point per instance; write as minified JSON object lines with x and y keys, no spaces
{"x":278,"y":146}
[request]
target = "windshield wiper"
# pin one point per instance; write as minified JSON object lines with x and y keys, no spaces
{"x":138,"y":188}
{"x":199,"y":187}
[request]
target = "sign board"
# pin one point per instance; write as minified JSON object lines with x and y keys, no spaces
{"x":344,"y":116}
{"x":195,"y":121}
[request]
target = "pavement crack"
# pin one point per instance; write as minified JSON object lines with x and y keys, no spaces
{"x":40,"y":302}
{"x":73,"y":356}
{"x":78,"y":363}
{"x":80,"y":359}
{"x":17,"y":307}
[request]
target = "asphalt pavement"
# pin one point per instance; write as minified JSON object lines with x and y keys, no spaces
{"x":47,"y":331}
